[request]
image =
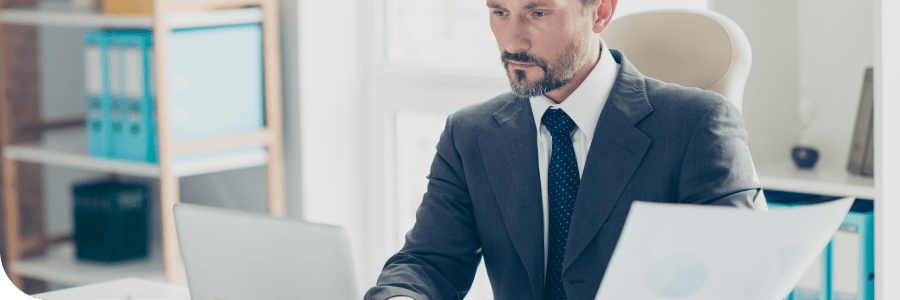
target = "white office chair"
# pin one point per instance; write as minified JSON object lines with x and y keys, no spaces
{"x":700,"y":49}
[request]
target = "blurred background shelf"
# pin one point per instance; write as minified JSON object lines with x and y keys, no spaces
{"x":44,"y":48}
{"x":59,"y":265}
{"x":74,"y":154}
{"x":821,"y":181}
{"x":62,"y":14}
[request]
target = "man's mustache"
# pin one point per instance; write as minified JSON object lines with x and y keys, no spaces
{"x":522,"y":57}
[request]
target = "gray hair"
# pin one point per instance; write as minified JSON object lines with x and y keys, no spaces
{"x":586,"y":4}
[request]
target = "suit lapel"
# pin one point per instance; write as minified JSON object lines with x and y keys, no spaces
{"x":510,"y":158}
{"x":616,"y":151}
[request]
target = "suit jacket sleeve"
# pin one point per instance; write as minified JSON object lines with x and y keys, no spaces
{"x":443,"y":249}
{"x":717,"y":167}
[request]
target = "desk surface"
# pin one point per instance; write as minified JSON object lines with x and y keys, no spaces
{"x":128,"y":288}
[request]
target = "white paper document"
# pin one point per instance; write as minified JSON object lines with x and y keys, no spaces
{"x":677,"y":251}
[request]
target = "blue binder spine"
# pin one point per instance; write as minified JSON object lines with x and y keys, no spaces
{"x":96,"y":51}
{"x":136,"y":141}
{"x":148,"y":110}
{"x":217,"y":87}
{"x":141,"y":120}
{"x":116,"y":91}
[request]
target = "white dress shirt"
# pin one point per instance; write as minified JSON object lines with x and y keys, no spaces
{"x":583,"y":106}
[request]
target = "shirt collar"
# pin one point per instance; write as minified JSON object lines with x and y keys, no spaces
{"x":586,"y":102}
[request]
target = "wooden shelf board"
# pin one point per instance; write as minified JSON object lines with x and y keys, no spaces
{"x":60,"y":14}
{"x":786,"y":177}
{"x":75,"y":155}
{"x":59,"y":265}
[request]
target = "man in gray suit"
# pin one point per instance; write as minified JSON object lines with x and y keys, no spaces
{"x":539,"y":181}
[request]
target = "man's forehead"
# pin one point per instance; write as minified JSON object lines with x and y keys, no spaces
{"x":525,"y":3}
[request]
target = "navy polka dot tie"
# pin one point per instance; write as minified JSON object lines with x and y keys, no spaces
{"x":563,"y":186}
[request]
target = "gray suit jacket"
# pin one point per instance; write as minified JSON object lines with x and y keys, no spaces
{"x":654,"y":142}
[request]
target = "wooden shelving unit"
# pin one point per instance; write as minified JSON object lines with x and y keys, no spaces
{"x":95,"y":19}
{"x":75,"y":155}
{"x":265,"y":147}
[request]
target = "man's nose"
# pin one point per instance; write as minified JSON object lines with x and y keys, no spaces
{"x":517,"y":39}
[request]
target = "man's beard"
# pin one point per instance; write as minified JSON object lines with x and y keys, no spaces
{"x":556,"y":75}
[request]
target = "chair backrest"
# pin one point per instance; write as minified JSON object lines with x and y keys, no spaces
{"x":700,"y":49}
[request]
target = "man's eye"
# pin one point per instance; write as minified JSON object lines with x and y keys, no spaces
{"x":499,"y":13}
{"x":540,"y":14}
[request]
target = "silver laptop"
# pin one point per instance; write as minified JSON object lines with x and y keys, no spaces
{"x":239,"y":255}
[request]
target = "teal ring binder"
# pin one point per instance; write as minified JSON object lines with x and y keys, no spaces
{"x":216,"y":90}
{"x":859,"y":219}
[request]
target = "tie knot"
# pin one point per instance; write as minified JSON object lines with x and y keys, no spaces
{"x":558,"y":122}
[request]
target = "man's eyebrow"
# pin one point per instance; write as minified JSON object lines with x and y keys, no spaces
{"x":531,"y":5}
{"x":534,"y":5}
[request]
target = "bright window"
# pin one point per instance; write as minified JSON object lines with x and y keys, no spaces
{"x":454,"y":35}
{"x":417,"y":136}
{"x":441,"y":35}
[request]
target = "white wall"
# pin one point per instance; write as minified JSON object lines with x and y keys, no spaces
{"x":811,"y":48}
{"x":835,"y":47}
{"x":331,"y":117}
{"x":773,"y":85}
{"x":887,"y":172}
{"x":290,"y":83}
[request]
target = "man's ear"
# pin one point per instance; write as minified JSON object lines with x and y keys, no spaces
{"x":604,"y":10}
